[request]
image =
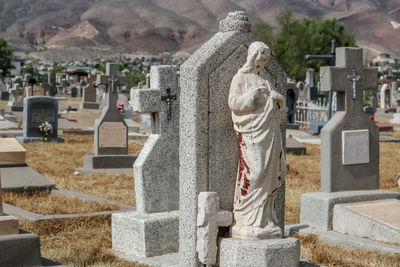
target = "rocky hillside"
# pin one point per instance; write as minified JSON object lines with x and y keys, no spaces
{"x":173,"y":25}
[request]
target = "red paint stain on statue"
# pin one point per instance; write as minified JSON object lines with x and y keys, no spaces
{"x":244,"y":170}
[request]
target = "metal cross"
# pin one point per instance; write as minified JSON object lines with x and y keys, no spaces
{"x":168,"y":98}
{"x":113,"y":80}
{"x":353,"y":76}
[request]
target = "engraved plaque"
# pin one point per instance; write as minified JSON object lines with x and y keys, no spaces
{"x":41,"y":115}
{"x":355,"y":147}
{"x":112,"y":134}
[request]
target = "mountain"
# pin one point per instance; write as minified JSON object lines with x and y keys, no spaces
{"x":155,"y":26}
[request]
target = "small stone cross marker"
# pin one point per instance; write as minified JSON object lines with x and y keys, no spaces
{"x":209,"y":218}
{"x":168,"y":98}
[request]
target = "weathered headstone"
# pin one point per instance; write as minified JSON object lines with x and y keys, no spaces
{"x":38,"y":110}
{"x":15,"y":102}
{"x":89,"y":99}
{"x":111,"y":131}
{"x":385,"y":96}
{"x":156,"y":172}
{"x":208,"y":146}
{"x":349,"y":143}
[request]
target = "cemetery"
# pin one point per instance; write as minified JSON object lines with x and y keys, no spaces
{"x":225,"y":159}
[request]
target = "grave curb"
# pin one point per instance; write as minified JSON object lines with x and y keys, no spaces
{"x":317,"y":207}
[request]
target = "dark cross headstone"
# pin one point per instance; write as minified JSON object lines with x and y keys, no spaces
{"x":350,"y":140}
{"x":111,"y":131}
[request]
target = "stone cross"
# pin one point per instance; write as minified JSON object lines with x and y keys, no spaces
{"x":111,"y":80}
{"x":156,"y":170}
{"x":209,"y":218}
{"x":344,"y":77}
{"x":156,"y":173}
{"x":350,"y":141}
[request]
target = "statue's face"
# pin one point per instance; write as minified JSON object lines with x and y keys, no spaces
{"x":261,"y":59}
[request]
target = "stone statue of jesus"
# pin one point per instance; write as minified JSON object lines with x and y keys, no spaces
{"x":257,"y":113}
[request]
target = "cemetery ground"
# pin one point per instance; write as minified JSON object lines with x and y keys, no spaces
{"x":87,"y":241}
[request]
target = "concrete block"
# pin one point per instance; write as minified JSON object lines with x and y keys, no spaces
{"x":8,"y":225}
{"x":295,"y":147}
{"x":108,"y":161}
{"x":20,"y":250}
{"x":11,"y":151}
{"x":317,"y":207}
{"x":381,"y":222}
{"x":266,"y":252}
{"x":145,"y":235}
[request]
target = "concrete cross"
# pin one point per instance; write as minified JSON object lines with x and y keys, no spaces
{"x":159,"y":100}
{"x":112,"y":81}
{"x":350,"y":77}
{"x":209,"y":218}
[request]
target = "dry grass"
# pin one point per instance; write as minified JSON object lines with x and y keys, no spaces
{"x":57,"y":162}
{"x":77,"y":242}
{"x":304,"y":175}
{"x":83,"y":119}
{"x":314,"y":251}
{"x":82,"y":242}
{"x":49,"y":204}
{"x":71,"y":101}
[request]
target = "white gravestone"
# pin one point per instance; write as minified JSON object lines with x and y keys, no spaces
{"x":156,"y":172}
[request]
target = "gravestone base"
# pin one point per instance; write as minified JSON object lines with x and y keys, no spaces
{"x":377,"y":220}
{"x":108,"y":161}
{"x":8,"y":225}
{"x":317,"y":208}
{"x":20,"y":250}
{"x":145,"y":235}
{"x":295,"y":147}
{"x":23,"y":140}
{"x":14,"y":107}
{"x":265,"y":252}
{"x":89,"y":105}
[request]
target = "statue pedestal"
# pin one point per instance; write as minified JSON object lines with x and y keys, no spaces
{"x":265,"y":252}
